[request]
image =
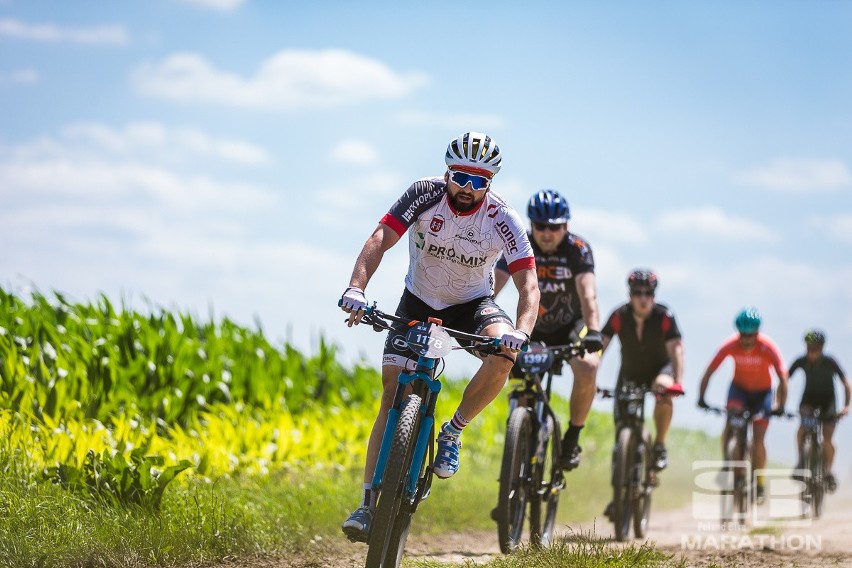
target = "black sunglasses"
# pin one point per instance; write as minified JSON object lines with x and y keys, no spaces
{"x":640,"y":293}
{"x":547,"y":226}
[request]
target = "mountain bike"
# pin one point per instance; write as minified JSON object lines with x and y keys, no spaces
{"x":530,"y":475}
{"x":404,"y":472}
{"x":633,"y":475}
{"x":812,"y":459}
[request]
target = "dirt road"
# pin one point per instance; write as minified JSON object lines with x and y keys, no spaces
{"x":691,"y":533}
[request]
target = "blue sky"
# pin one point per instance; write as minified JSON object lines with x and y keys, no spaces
{"x":231,"y":156}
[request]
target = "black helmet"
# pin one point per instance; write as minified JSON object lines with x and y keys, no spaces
{"x":548,"y":206}
{"x":642,"y":278}
{"x":815,"y":337}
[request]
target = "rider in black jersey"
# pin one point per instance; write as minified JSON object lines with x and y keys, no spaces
{"x":820,"y":370}
{"x":568,"y":309}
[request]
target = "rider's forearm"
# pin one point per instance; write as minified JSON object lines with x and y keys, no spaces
{"x":675,"y":351}
{"x":782,"y":393}
{"x":705,"y":380}
{"x":589,"y":301}
{"x":528,"y":298}
{"x":369,"y":259}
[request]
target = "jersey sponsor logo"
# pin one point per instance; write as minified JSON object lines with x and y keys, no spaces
{"x":399,"y":342}
{"x":408,"y":214}
{"x":508,"y":237}
{"x":489,"y":311}
{"x":470,"y":235}
{"x":449,"y":253}
{"x":436,"y":224}
{"x":553,"y":272}
{"x":550,"y":287}
{"x":492,"y":211}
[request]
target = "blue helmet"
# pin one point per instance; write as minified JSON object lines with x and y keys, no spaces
{"x":748,"y":320}
{"x":548,"y":206}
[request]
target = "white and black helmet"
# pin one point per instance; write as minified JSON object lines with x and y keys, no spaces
{"x":474,"y":152}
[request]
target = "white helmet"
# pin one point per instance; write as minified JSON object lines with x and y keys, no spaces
{"x":474,"y":152}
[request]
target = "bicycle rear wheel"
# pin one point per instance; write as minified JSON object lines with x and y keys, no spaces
{"x":642,"y":507}
{"x":551,"y":484}
{"x":514,"y":473}
{"x":817,"y":478}
{"x":622,"y":491}
{"x":387,"y":542}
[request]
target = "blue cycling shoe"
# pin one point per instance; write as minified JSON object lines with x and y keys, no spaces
{"x":447,"y":460}
{"x":357,"y":526}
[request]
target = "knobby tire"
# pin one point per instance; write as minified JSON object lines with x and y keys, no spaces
{"x":513,"y":497}
{"x":735,"y":500}
{"x":387,"y":539}
{"x":622,"y":492}
{"x":642,"y":506}
{"x":551,"y":483}
{"x":814,"y":488}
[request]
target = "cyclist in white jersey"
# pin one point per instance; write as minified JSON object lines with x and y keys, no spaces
{"x":457,"y":229}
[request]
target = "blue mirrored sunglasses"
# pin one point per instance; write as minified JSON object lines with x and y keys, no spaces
{"x":478,"y":183}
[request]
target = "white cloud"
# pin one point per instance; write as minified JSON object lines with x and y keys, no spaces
{"x":452,"y":121}
{"x":608,"y":226}
{"x":713,"y":222}
{"x":220,"y":5}
{"x":143,"y":140}
{"x":798,"y":175}
{"x":291,"y":79}
{"x":355,"y":152}
{"x":101,"y":35}
{"x":838,"y":227}
{"x":21,"y":77}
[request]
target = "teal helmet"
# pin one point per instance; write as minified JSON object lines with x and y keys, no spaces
{"x":748,"y":320}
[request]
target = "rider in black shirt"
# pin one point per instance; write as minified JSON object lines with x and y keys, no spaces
{"x":651,"y":350}
{"x":820,"y":370}
{"x":568,"y":309}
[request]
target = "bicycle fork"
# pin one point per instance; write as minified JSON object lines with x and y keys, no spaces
{"x":422,"y":373}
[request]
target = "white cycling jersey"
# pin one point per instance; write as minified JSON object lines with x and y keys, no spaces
{"x":452,"y":253}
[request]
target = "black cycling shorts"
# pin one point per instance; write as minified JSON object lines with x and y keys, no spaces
{"x":470,"y":317}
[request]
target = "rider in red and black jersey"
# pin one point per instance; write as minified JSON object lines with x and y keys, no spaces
{"x":651,"y":351}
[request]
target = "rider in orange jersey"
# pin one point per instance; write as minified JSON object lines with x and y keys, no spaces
{"x":751,"y":389}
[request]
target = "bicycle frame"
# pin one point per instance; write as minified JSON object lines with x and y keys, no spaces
{"x":536,"y":365}
{"x":431,"y":387}
{"x":812,"y":456}
{"x":409,"y":433}
{"x":530,"y":474}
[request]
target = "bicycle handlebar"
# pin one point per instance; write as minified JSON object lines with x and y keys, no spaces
{"x":613,"y":393}
{"x":747,"y":413}
{"x":379,"y":322}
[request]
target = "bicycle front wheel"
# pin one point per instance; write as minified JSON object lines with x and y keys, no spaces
{"x":387,"y":543}
{"x":551,"y":484}
{"x":735,"y":490}
{"x":514,"y":474}
{"x":817,"y":468}
{"x":622,"y":498}
{"x":642,"y":507}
